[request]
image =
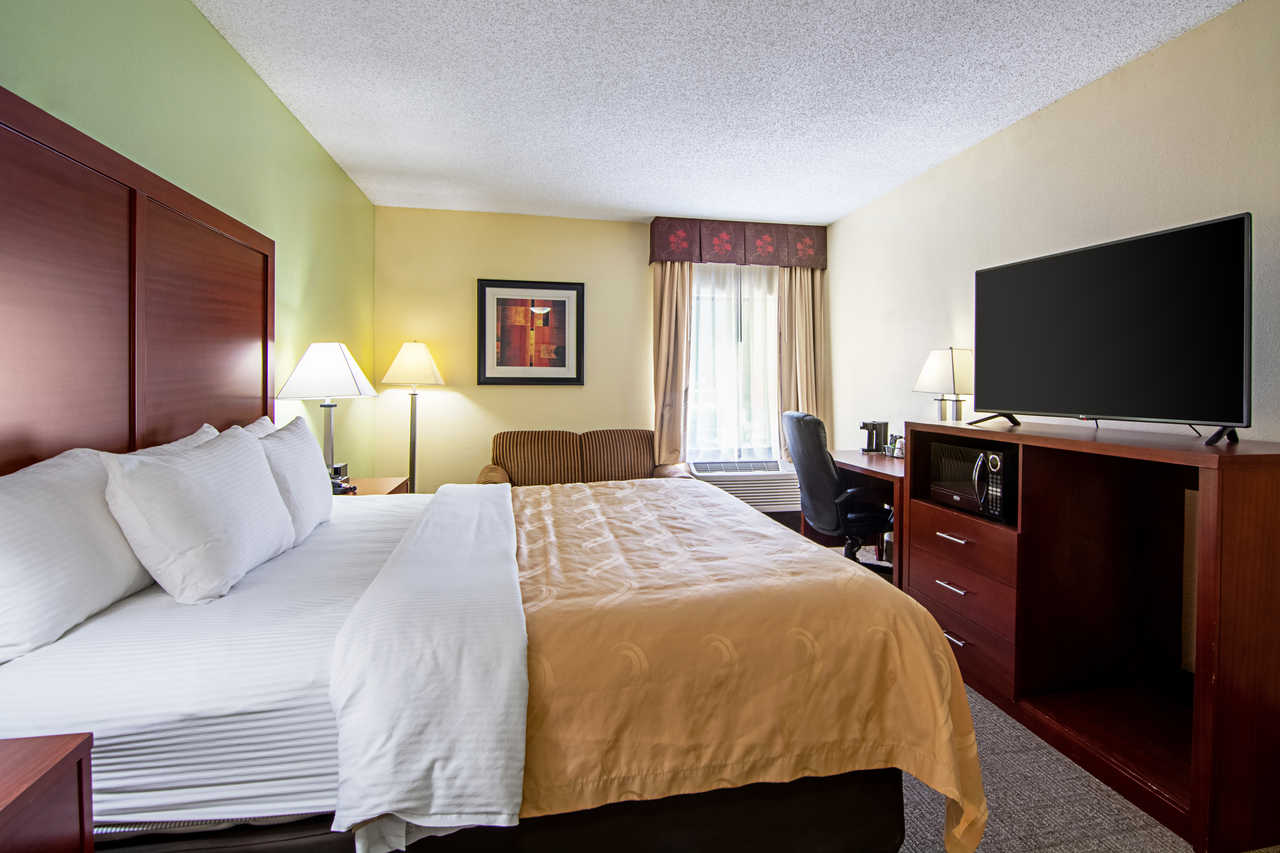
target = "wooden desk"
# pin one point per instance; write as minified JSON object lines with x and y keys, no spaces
{"x":881,"y":467}
{"x":877,"y":465}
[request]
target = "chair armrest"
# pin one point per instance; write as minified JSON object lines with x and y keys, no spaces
{"x":863,"y":495}
{"x":679,"y":469}
{"x":493,"y":474}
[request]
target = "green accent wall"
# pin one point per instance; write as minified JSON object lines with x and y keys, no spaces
{"x":155,"y":81}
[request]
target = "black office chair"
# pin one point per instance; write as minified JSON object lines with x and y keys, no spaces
{"x":831,"y":504}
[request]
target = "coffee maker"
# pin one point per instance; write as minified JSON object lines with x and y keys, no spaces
{"x":877,"y":435}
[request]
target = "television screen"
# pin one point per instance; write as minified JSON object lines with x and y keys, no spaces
{"x":1153,"y":328}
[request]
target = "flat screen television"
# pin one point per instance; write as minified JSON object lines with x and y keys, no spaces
{"x":1151,"y":328}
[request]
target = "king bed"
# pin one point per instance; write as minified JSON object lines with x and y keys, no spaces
{"x":695,"y":675}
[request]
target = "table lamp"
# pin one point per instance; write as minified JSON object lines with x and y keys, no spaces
{"x":948,"y":373}
{"x":328,"y":372}
{"x":413,"y":366}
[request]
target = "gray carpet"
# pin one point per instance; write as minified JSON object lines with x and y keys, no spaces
{"x":1039,"y":800}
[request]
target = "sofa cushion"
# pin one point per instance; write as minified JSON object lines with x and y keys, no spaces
{"x":539,"y":457}
{"x":617,"y":454}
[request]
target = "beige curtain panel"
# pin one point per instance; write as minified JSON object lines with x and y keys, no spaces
{"x":804,"y":345}
{"x":672,"y":308}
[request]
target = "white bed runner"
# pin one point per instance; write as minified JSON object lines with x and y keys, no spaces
{"x":429,"y":681}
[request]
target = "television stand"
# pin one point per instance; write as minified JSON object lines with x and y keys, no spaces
{"x":1228,"y":432}
{"x":1123,"y":608}
{"x":1006,"y":415}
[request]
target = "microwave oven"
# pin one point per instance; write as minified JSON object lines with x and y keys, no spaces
{"x":973,"y":479}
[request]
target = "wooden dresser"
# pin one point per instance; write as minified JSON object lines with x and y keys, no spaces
{"x":964,"y":569}
{"x":1127,"y":610}
{"x":46,"y":798}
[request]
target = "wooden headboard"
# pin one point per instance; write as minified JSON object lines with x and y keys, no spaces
{"x":132,"y":311}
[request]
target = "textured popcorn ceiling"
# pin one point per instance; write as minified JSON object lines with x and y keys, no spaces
{"x":790,"y":110}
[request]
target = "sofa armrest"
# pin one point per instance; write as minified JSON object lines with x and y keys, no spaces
{"x":679,"y":469}
{"x":493,"y":474}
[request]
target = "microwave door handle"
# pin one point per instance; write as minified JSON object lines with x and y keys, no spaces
{"x":980,"y":484}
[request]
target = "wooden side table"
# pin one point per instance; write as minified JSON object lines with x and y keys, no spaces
{"x":381,"y":485}
{"x":46,"y":796}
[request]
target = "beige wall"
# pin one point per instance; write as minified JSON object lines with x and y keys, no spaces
{"x":1187,"y":132}
{"x":426,"y":263}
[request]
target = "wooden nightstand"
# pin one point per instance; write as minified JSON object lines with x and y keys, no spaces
{"x":46,"y":797}
{"x":381,"y":485}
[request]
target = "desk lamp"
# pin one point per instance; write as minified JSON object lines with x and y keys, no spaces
{"x":328,"y":372}
{"x":948,"y":373}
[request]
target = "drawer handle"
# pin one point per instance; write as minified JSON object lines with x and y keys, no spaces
{"x":955,"y":641}
{"x":957,"y":590}
{"x":950,"y":538}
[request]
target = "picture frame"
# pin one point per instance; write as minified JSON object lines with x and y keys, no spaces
{"x":530,"y":332}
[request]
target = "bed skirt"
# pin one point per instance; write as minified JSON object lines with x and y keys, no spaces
{"x":858,"y":812}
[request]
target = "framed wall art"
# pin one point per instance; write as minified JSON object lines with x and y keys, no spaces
{"x":530,"y":332}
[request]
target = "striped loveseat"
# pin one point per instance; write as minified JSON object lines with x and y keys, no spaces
{"x":539,"y":457}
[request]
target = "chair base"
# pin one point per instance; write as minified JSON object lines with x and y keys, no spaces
{"x":851,"y":547}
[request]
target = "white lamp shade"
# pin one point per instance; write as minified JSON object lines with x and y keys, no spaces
{"x":327,"y":371}
{"x":413,"y":365}
{"x":947,"y":371}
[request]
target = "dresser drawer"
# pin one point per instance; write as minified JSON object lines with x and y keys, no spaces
{"x":972,"y":595}
{"x":981,"y":545}
{"x":983,"y":656}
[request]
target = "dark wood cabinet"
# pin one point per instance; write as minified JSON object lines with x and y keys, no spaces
{"x":1128,"y":615}
{"x":46,"y":800}
{"x":962,"y":539}
{"x":985,"y":657}
{"x":963,"y":589}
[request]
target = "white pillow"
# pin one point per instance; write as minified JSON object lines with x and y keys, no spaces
{"x":260,"y":428}
{"x":196,"y":439}
{"x":62,"y":557}
{"x":200,"y":519}
{"x":298,"y":465}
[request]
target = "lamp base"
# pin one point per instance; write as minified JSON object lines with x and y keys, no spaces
{"x":950,"y":408}
{"x":413,"y":440}
{"x":328,"y":406}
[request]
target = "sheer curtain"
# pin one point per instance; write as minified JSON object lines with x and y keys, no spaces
{"x":732,"y":396}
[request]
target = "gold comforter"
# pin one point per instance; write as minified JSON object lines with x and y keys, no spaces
{"x":680,"y":641}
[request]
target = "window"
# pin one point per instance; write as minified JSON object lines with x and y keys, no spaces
{"x":732,"y":398}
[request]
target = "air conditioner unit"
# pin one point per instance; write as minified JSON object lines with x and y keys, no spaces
{"x":768,"y":485}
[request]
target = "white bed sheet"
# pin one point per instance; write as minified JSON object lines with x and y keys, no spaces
{"x":213,"y":711}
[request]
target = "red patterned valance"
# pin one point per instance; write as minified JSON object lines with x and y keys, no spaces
{"x":708,"y":241}
{"x":674,"y":240}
